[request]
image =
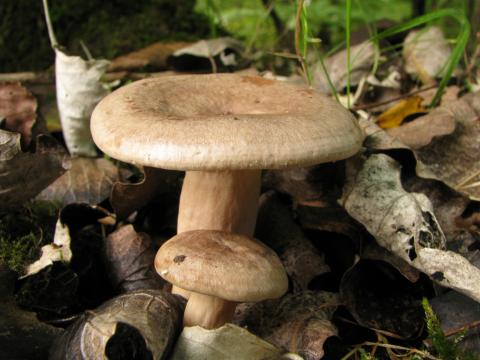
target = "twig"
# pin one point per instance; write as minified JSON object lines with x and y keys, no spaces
{"x":454,"y":331}
{"x":369,"y":106}
{"x":51,"y":33}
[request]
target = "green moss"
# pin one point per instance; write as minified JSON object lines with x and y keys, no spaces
{"x":24,"y":231}
{"x":108,"y":28}
{"x":445,"y":348}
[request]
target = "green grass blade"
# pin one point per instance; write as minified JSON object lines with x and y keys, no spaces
{"x":348,"y":23}
{"x":457,"y":52}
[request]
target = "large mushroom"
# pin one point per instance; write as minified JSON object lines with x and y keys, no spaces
{"x":220,"y":269}
{"x":223,"y":129}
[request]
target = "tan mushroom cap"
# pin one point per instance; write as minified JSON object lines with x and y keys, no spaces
{"x":223,"y":121}
{"x":222,"y":264}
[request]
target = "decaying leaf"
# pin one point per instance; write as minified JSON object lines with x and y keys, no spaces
{"x":362,"y":57}
{"x":276,"y":228}
{"x":22,"y":335}
{"x":130,"y":258}
{"x":59,"y":250}
{"x":78,"y":91}
{"x":426,"y":52}
{"x":138,"y":325}
{"x":18,"y":108}
{"x":372,"y":251}
{"x":298,"y":322}
{"x":87,"y":181}
{"x":154,"y":55}
{"x":319,"y":183}
{"x":222,"y":51}
{"x":128,"y":197}
{"x":395,"y":115}
{"x":24,"y":174}
{"x":404,"y":223}
{"x":453,"y":158}
{"x":225,"y":343}
{"x":381,"y":298}
{"x":421,"y":131}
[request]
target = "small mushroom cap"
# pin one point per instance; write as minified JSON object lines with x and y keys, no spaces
{"x":223,"y":121}
{"x":218,"y":263}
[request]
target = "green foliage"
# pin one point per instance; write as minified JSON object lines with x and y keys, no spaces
{"x":445,"y":348}
{"x":24,"y":231}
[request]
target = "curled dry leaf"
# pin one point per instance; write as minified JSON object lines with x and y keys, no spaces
{"x":142,"y":324}
{"x":128,"y":197}
{"x":22,"y":335}
{"x":421,"y":131}
{"x":154,"y":55}
{"x":228,"y":342}
{"x":24,"y":174}
{"x":225,"y":49}
{"x":453,"y":158}
{"x":404,"y":223}
{"x":18,"y":108}
{"x":276,"y":228}
{"x":362,"y":57}
{"x":78,"y":91}
{"x":87,"y":181}
{"x":297,"y":322}
{"x":426,"y":52}
{"x":129,"y":257}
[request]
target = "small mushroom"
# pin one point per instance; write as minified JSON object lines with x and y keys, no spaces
{"x":223,"y":129}
{"x":220,"y":269}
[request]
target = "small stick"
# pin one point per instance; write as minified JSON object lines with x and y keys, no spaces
{"x":369,"y":106}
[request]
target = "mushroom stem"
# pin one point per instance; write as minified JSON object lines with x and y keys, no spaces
{"x":208,"y":311}
{"x":220,"y":200}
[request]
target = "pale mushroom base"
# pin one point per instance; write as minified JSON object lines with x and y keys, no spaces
{"x":209,"y":312}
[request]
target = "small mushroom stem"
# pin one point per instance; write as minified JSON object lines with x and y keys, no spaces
{"x":218,"y":200}
{"x":209,"y":312}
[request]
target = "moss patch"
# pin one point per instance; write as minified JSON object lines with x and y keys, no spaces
{"x":24,"y":231}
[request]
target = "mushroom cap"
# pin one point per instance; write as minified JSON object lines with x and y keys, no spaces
{"x":223,"y":121}
{"x":222,"y":264}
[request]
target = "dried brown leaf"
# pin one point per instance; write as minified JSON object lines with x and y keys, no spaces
{"x":297,"y":322}
{"x":129,"y":257}
{"x":453,"y":158}
{"x":275,"y":227}
{"x":24,"y":174}
{"x":87,"y":181}
{"x":128,"y":197}
{"x":426,"y":52}
{"x":154,"y":55}
{"x":19,"y":109}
